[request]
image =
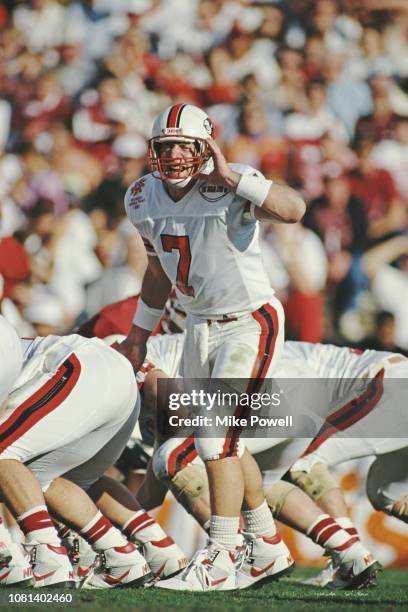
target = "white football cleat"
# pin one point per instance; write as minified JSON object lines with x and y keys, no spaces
{"x":164,"y":557}
{"x":51,"y":566}
{"x":265,"y":559}
{"x":5,"y":554}
{"x":323,"y":577}
{"x":81,"y":554}
{"x":357,"y":572}
{"x":121,"y":566}
{"x":17,"y":569}
{"x":211,"y":569}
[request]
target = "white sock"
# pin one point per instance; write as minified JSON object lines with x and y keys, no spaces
{"x":224,"y":530}
{"x":260,"y":521}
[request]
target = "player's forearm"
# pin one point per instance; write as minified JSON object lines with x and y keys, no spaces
{"x":273,"y":202}
{"x":283,"y":205}
{"x":156,"y":288}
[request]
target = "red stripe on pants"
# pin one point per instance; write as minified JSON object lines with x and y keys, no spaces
{"x":175,"y":454}
{"x":39,"y":396}
{"x":266,"y":349}
{"x":354,"y":411}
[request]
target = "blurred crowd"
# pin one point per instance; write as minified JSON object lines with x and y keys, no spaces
{"x":311,"y":92}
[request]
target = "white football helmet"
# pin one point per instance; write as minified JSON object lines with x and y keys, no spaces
{"x":182,"y":123}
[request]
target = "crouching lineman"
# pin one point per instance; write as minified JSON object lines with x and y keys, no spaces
{"x":387,"y":478}
{"x":72,"y":407}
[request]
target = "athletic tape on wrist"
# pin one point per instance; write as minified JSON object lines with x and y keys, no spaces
{"x":147,"y":317}
{"x":253,"y":188}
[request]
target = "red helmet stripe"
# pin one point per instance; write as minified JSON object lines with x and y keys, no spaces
{"x":173,"y":120}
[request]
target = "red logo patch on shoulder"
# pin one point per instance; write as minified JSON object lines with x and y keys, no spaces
{"x":138,"y":187}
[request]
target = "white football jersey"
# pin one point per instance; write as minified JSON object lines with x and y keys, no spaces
{"x":44,"y":355}
{"x":344,"y":373}
{"x":207,"y":242}
{"x":329,"y":361}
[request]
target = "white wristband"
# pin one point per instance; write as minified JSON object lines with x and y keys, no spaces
{"x":146,"y":317}
{"x":253,"y":188}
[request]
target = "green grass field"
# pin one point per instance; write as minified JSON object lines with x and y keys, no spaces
{"x":287,"y":595}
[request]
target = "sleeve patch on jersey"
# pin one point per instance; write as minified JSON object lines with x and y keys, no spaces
{"x":136,"y":197}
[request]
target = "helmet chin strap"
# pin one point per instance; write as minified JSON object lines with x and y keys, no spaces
{"x":179,"y":183}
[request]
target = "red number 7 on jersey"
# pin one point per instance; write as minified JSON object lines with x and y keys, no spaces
{"x":182,"y":245}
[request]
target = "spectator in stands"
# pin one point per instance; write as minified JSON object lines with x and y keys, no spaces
{"x":390,"y":283}
{"x":296,"y":263}
{"x":379,"y":123}
{"x":339,"y":219}
{"x":385,"y":210}
{"x":372,"y":58}
{"x":317,"y":119}
{"x":255,"y":138}
{"x":392,"y":154}
{"x":384,"y":334}
{"x":342,"y":89}
{"x":289,"y":94}
{"x":50,"y":104}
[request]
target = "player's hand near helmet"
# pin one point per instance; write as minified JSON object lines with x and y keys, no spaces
{"x":222,"y":173}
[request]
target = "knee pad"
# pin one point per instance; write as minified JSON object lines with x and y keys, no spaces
{"x":190,"y":483}
{"x":276,"y":494}
{"x":316,"y":482}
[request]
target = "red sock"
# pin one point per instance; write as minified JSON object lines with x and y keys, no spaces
{"x":101,"y":534}
{"x":141,"y":527}
{"x":62,"y":530}
{"x":37,"y":526}
{"x":328,"y":534}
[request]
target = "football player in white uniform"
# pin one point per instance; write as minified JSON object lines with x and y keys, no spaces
{"x":69,"y":412}
{"x":198,"y":217}
{"x":387,"y":478}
